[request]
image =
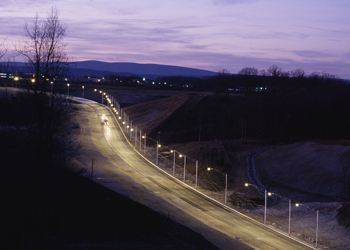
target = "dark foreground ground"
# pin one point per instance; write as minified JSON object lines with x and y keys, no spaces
{"x":93,"y":217}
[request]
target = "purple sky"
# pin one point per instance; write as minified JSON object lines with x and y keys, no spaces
{"x":313,"y":35}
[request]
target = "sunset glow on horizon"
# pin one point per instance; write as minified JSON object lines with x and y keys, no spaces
{"x":312,"y":35}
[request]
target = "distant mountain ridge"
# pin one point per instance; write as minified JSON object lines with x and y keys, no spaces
{"x":140,"y":69}
{"x":150,"y":71}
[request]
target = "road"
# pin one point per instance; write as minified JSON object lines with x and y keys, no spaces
{"x":117,"y":166}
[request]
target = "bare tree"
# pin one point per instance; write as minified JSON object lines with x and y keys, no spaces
{"x":249,"y":74}
{"x":43,"y":48}
{"x":2,"y":54}
{"x":274,"y":71}
{"x":297,"y":73}
{"x":249,"y":71}
{"x":222,"y":80}
{"x":44,"y":133}
{"x":263,"y":72}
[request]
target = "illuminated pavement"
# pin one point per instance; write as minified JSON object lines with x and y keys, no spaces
{"x":118,"y":167}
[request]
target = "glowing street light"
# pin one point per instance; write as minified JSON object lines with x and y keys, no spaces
{"x":290,"y":208}
{"x":16,"y":80}
{"x":82,"y":94}
{"x":298,"y":205}
{"x":209,"y":169}
{"x":184,"y":166}
{"x":174,"y":164}
{"x":51,"y":83}
{"x":266,"y":194}
{"x":102,"y":96}
{"x":67,"y":91}
{"x":144,"y":145}
{"x":158,"y":146}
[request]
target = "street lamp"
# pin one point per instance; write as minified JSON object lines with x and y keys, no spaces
{"x":209,"y":169}
{"x":16,"y":80}
{"x":266,"y":194}
{"x":299,"y":204}
{"x":173,"y":151}
{"x":135,"y":134}
{"x":51,"y":83}
{"x":102,"y":96}
{"x":184,"y":166}
{"x":67,"y":91}
{"x":290,"y":209}
{"x":140,"y":138}
{"x":144,"y":145}
{"x":82,"y":94}
{"x":158,"y":146}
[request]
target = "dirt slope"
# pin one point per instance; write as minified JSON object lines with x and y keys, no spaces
{"x":149,"y":115}
{"x":313,"y":167}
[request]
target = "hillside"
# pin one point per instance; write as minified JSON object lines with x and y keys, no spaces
{"x":314,"y":173}
{"x":316,"y":168}
{"x":311,"y":168}
{"x":149,"y":116}
{"x":151,"y":70}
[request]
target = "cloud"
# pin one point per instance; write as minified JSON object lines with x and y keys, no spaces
{"x":310,"y":54}
{"x":226,"y":2}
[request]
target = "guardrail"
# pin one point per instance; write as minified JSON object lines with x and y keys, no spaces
{"x":184,"y":169}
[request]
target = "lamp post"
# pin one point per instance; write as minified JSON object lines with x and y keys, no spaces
{"x":209,"y":169}
{"x":135,"y":135}
{"x":184,"y":166}
{"x":82,"y":94}
{"x":51,"y":83}
{"x":102,"y":96}
{"x":266,"y":194}
{"x":16,"y":80}
{"x":290,"y":209}
{"x":140,"y":139}
{"x":299,"y":204}
{"x":67,"y":91}
{"x":158,"y":146}
{"x":173,"y":151}
{"x":144,"y":144}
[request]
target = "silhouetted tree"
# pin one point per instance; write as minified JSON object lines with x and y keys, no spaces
{"x":222,"y":80}
{"x":249,"y":75}
{"x":297,"y":73}
{"x":41,"y":119}
{"x":43,"y":49}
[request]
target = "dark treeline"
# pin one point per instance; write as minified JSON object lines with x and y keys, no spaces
{"x":286,"y":108}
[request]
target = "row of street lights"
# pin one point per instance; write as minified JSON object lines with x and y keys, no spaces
{"x":124,"y":119}
{"x":68,"y":85}
{"x":290,"y":208}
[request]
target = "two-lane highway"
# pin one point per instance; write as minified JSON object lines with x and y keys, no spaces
{"x":120,"y":168}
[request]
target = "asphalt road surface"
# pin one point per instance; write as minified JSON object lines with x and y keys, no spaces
{"x":117,"y":166}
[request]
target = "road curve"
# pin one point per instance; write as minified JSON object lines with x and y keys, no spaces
{"x":118,"y":167}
